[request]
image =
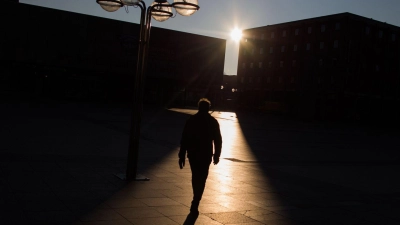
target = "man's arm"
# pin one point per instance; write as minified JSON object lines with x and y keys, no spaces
{"x":182,"y":153}
{"x":184,"y":141}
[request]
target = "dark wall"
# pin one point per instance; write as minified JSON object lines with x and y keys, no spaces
{"x":58,"y":54}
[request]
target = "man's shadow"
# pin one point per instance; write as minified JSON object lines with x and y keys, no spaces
{"x":191,"y":219}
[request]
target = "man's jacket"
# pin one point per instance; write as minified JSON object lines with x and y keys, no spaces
{"x":200,"y":132}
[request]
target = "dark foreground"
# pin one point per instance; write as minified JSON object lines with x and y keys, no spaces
{"x":58,"y":165}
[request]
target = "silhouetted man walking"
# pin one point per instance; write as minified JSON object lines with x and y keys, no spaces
{"x":200,"y":132}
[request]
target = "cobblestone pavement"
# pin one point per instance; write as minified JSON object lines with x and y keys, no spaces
{"x":59,"y":165}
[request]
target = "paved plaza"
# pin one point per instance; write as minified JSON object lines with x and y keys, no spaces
{"x":59,"y":164}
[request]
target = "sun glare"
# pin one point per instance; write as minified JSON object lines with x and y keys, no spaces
{"x":236,"y":34}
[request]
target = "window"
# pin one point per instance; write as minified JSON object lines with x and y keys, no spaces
{"x":294,"y":63}
{"x":367,"y":30}
{"x":321,"y":62}
{"x":251,"y":65}
{"x":377,"y":68}
{"x":393,"y":37}
{"x":380,"y":34}
{"x":296,"y":32}
{"x":251,"y":80}
{"x":261,"y":50}
{"x":260,"y":65}
{"x":309,"y":30}
{"x":262,"y":36}
{"x":270,"y":64}
{"x":284,"y":33}
{"x":244,"y":65}
{"x":281,"y":63}
{"x":323,"y":28}
{"x":258,"y":79}
{"x":271,"y":49}
{"x":280,"y":79}
{"x":268,"y":79}
{"x":272,"y":34}
{"x":308,"y":47}
{"x":321,"y":45}
{"x":319,"y":80}
{"x":295,"y":48}
{"x":336,"y":44}
{"x":283,"y":49}
{"x":332,"y":80}
{"x":337,"y":26}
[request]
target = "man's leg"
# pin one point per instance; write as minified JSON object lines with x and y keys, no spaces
{"x":199,"y":177}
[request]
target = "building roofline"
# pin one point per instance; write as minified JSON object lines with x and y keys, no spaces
{"x":114,"y":19}
{"x":326,"y":17}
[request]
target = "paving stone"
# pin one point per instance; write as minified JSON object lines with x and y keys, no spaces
{"x":78,"y":196}
{"x":159,"y":201}
{"x":269,"y":203}
{"x":138,"y":192}
{"x":376,"y":218}
{"x":153,"y":220}
{"x":114,"y":222}
{"x":102,"y":214}
{"x":213,"y":208}
{"x":265,"y":218}
{"x":124,"y":203}
{"x":46,"y":167}
{"x":230,"y":217}
{"x":239,"y":206}
{"x":15,"y":167}
{"x":250,"y":223}
{"x":176,"y":193}
{"x":139,"y":212}
{"x":224,"y":189}
{"x":258,"y":212}
{"x":51,"y":217}
{"x":9,"y":203}
{"x":173,"y":210}
{"x":217,"y":198}
{"x":201,"y":220}
{"x":393,"y":212}
{"x":28,"y":184}
{"x":13,"y":217}
{"x":186,"y":200}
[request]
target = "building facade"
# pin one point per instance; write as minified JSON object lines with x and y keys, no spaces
{"x":332,"y":67}
{"x":48,"y":53}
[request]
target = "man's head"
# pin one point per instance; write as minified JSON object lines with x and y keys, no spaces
{"x":204,"y":105}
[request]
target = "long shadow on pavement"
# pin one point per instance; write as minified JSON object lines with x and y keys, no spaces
{"x":320,"y":173}
{"x":58,"y":163}
{"x":58,"y":166}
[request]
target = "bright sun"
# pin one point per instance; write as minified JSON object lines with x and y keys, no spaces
{"x":236,"y":34}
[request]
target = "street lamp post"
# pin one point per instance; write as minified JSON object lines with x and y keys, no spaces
{"x":159,"y":10}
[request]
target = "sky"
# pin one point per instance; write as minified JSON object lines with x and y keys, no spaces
{"x":217,"y":18}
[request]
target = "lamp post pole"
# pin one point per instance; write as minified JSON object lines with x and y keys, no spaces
{"x":160,"y":10}
{"x":136,"y":117}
